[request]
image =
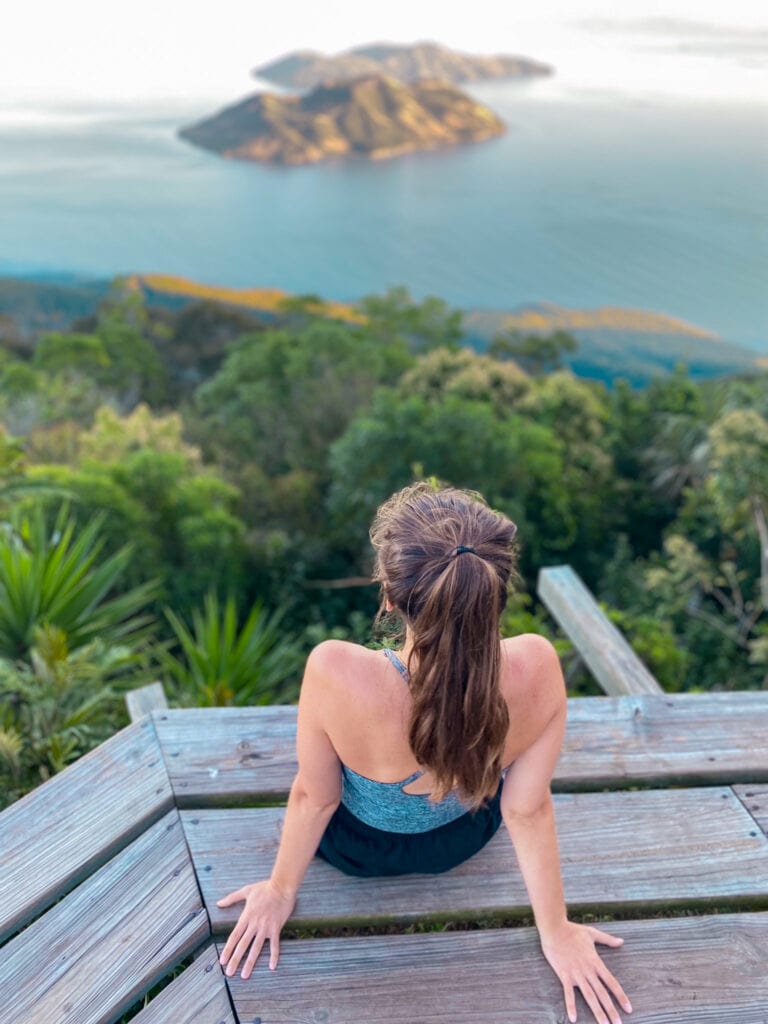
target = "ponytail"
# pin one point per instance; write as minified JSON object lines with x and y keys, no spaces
{"x":445,"y":560}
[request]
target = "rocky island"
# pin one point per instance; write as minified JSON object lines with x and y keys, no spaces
{"x":374,"y":116}
{"x":306,"y":69}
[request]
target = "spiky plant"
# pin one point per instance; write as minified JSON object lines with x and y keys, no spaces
{"x":219,"y":663}
{"x":57,"y":576}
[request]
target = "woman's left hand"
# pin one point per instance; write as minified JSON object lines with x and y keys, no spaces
{"x":265,"y":912}
{"x":571,"y":954}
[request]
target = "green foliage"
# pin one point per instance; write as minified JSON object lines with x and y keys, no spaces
{"x":282,"y":396}
{"x":134,"y":371}
{"x":153,"y":491}
{"x":57,"y":705}
{"x":739,"y":463}
{"x":220,"y":663}
{"x":71,"y":351}
{"x":49,"y":576}
{"x":655,"y":643}
{"x":14,"y":481}
{"x":518,"y":463}
{"x":424,"y":325}
{"x":535,"y":353}
{"x":711,"y":575}
{"x":464,"y":373}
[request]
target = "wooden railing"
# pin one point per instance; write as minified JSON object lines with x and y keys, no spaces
{"x":601,"y":646}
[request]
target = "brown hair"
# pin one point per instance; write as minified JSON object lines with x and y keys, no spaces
{"x":452,"y":600}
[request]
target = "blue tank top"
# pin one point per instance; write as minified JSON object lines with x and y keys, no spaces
{"x":387,"y":806}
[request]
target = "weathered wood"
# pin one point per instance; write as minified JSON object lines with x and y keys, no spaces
{"x":197,"y":996}
{"x":682,"y":738}
{"x":144,"y":700}
{"x":60,"y":832}
{"x":606,"y":652}
{"x":646,"y":848}
{"x":234,"y":753}
{"x":755,"y":799}
{"x":225,"y":755}
{"x":691,"y":970}
{"x":108,"y":941}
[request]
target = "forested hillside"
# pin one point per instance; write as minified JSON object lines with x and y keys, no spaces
{"x":186,"y":495}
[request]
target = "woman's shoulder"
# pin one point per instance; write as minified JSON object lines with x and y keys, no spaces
{"x":340,"y":660}
{"x":532,"y":647}
{"x":532,"y":668}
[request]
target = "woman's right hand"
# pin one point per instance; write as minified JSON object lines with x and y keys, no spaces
{"x":265,"y":912}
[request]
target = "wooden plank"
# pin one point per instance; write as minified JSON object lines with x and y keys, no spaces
{"x":690,"y":970}
{"x":94,"y":953}
{"x":604,"y":649}
{"x":144,"y":700}
{"x":60,"y":832}
{"x":197,"y":996}
{"x":225,"y":755}
{"x":234,"y":753}
{"x":755,"y":799}
{"x":646,"y":848}
{"x":681,"y":739}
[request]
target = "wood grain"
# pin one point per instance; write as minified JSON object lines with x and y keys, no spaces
{"x":224,"y":755}
{"x":755,"y":799}
{"x":63,"y":830}
{"x":197,"y":996}
{"x":679,"y":739}
{"x":649,"y":848}
{"x":500,"y":976}
{"x":145,"y":699}
{"x":108,"y":941}
{"x":603,"y":648}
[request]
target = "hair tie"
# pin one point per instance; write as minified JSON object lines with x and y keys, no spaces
{"x":461,"y":549}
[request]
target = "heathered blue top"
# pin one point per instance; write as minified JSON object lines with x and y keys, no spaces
{"x":387,"y":806}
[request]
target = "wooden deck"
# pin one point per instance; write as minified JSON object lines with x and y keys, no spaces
{"x":110,"y":872}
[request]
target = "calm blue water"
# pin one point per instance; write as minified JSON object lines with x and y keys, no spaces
{"x":591,"y":198}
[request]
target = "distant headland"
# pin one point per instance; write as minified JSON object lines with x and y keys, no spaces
{"x":376,"y":101}
{"x":613,"y":342}
{"x":306,"y":69}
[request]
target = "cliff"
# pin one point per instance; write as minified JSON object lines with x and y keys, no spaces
{"x":306,"y":69}
{"x":373,"y":116}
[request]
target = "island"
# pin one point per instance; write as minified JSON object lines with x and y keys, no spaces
{"x":374,"y":116}
{"x":306,"y":69}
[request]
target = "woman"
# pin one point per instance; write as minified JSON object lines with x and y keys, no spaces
{"x":410,"y":761}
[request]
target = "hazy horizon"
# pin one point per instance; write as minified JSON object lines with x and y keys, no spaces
{"x":78,"y":57}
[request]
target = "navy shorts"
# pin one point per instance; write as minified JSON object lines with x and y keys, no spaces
{"x":357,"y":848}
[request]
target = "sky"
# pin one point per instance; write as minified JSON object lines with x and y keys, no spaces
{"x":98,"y":50}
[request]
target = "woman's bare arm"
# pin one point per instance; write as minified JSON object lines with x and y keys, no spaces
{"x":316,"y":790}
{"x":528,"y":813}
{"x":315,"y":795}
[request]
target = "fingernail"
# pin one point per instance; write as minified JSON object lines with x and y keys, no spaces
{"x":628,"y":1006}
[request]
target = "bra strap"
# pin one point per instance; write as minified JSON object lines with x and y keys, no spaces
{"x":396,"y":662}
{"x":391,"y":656}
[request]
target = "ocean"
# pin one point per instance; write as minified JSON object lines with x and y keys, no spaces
{"x":593,"y":197}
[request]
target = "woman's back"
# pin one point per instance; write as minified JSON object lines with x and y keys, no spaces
{"x":389,"y":805}
{"x":367,"y":715}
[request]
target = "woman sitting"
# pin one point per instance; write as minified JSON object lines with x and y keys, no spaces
{"x":409,"y":761}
